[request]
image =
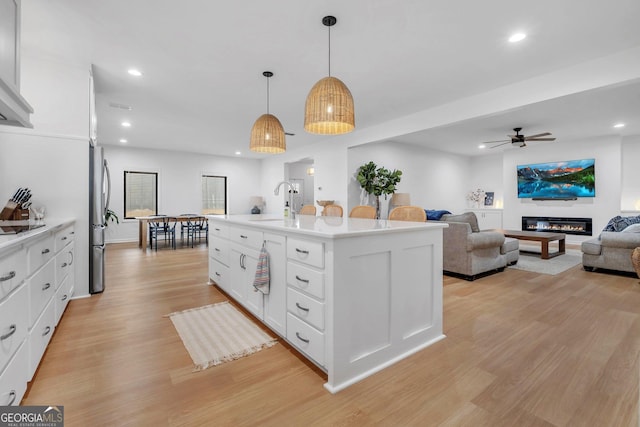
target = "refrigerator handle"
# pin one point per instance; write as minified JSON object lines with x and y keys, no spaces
{"x":106,"y":169}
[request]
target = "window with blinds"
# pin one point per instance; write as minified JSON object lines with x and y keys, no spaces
{"x":140,"y":194}
{"x":214,"y":195}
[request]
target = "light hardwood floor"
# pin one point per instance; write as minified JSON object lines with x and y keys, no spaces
{"x":521,"y":350}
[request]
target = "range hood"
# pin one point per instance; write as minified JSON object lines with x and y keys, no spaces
{"x":14,"y":109}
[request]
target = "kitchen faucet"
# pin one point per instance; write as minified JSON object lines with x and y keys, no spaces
{"x":291,"y":191}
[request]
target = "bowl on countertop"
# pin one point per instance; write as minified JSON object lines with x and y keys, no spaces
{"x":324,"y":203}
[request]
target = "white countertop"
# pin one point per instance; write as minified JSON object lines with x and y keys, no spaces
{"x":8,"y":240}
{"x":326,"y":226}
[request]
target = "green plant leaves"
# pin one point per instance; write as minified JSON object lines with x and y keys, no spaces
{"x":378,"y":180}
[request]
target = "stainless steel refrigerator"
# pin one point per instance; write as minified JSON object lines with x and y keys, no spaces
{"x":99,"y":194}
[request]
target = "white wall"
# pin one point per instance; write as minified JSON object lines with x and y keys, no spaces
{"x":486,"y":174}
{"x":630,"y":197}
{"x":607,"y":154}
{"x":179,"y":183}
{"x":434,"y":179}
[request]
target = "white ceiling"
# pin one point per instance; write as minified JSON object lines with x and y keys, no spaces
{"x":203,"y":60}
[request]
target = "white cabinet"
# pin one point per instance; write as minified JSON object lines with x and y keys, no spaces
{"x":305,"y":297}
{"x":233,"y":260}
{"x":488,"y":219}
{"x":36,"y":282}
{"x":13,"y":107}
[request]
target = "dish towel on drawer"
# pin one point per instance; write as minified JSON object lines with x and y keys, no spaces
{"x":261,"y":282}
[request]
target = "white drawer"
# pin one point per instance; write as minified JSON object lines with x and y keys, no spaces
{"x":219,"y":249}
{"x":64,"y":237}
{"x":41,"y":288}
{"x":218,"y":229}
{"x":63,"y":295}
{"x":39,"y":253}
{"x":246,"y":237}
{"x":64,"y":262}
{"x":305,"y":279}
{"x":13,"y":324}
{"x":13,"y":380}
{"x":305,"y":338}
{"x":311,"y":253}
{"x":13,"y":270}
{"x":40,"y":336}
{"x":219,"y":273}
{"x":306,"y":308}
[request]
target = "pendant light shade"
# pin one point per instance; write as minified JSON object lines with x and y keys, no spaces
{"x":329,"y":108}
{"x":267,"y":133}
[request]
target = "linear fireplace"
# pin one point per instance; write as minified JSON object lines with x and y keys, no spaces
{"x":579,"y":226}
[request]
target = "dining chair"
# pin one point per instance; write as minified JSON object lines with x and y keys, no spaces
{"x":363,"y":211}
{"x":332,"y":210}
{"x":408,"y":213}
{"x":163,"y":228}
{"x":308,"y":210}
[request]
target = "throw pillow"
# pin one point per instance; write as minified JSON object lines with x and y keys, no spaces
{"x":633,"y":228}
{"x":435,"y":215}
{"x":468,"y":217}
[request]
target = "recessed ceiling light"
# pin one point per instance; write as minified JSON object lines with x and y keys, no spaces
{"x":124,"y":141}
{"x":134,"y":72}
{"x":618,"y":125}
{"x":481,"y":146}
{"x":238,"y":153}
{"x":126,"y":124}
{"x":517,"y":37}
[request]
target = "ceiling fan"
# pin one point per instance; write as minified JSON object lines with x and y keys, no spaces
{"x":518,"y":140}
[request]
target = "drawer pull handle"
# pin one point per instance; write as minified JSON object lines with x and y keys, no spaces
{"x":12,"y":394}
{"x":46,"y":286}
{"x":45,"y":251}
{"x":72,"y":233}
{"x":216,"y":249}
{"x":302,"y":339}
{"x":217,"y":229}
{"x":64,"y":297}
{"x":302,"y":251}
{"x":12,"y":330}
{"x":300,"y":279}
{"x":243,"y":236}
{"x":9,"y":276}
{"x":64,"y":238}
{"x":218,"y":274}
{"x":46,"y":331}
{"x":71,"y":253}
{"x":302,"y":308}
{"x":64,"y":264}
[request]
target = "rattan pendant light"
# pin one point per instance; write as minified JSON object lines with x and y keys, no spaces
{"x":329,"y":107}
{"x":267,"y":134}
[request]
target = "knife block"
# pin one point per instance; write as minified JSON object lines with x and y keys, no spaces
{"x":14,"y":212}
{"x":8,"y":210}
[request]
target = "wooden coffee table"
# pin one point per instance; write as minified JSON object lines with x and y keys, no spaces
{"x":542,"y":237}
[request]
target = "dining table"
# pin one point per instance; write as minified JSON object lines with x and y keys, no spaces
{"x":143,"y":224}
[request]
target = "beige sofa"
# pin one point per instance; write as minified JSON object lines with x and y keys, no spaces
{"x":471,"y":253}
{"x":612,"y":251}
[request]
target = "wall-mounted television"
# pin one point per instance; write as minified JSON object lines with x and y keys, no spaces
{"x":566,"y":180}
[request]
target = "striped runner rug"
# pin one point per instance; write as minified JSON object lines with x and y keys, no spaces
{"x":218,"y":333}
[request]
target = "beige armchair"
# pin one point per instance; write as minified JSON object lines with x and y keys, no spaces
{"x":471,"y":253}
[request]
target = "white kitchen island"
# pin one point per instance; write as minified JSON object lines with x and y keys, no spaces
{"x":353,"y":295}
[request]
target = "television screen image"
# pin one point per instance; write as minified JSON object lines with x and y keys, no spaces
{"x":557,"y":180}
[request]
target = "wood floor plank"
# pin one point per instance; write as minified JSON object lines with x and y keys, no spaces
{"x":522,"y":349}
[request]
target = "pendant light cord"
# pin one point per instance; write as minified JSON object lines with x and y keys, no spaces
{"x":329,"y":51}
{"x":267,"y":95}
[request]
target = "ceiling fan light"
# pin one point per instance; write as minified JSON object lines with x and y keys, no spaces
{"x":329,"y":108}
{"x":267,"y":135}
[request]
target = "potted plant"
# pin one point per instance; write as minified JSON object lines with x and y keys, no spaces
{"x":378,"y":181}
{"x":110,"y":215}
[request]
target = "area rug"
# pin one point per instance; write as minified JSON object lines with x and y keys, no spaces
{"x":532,"y":262}
{"x":218,"y":333}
